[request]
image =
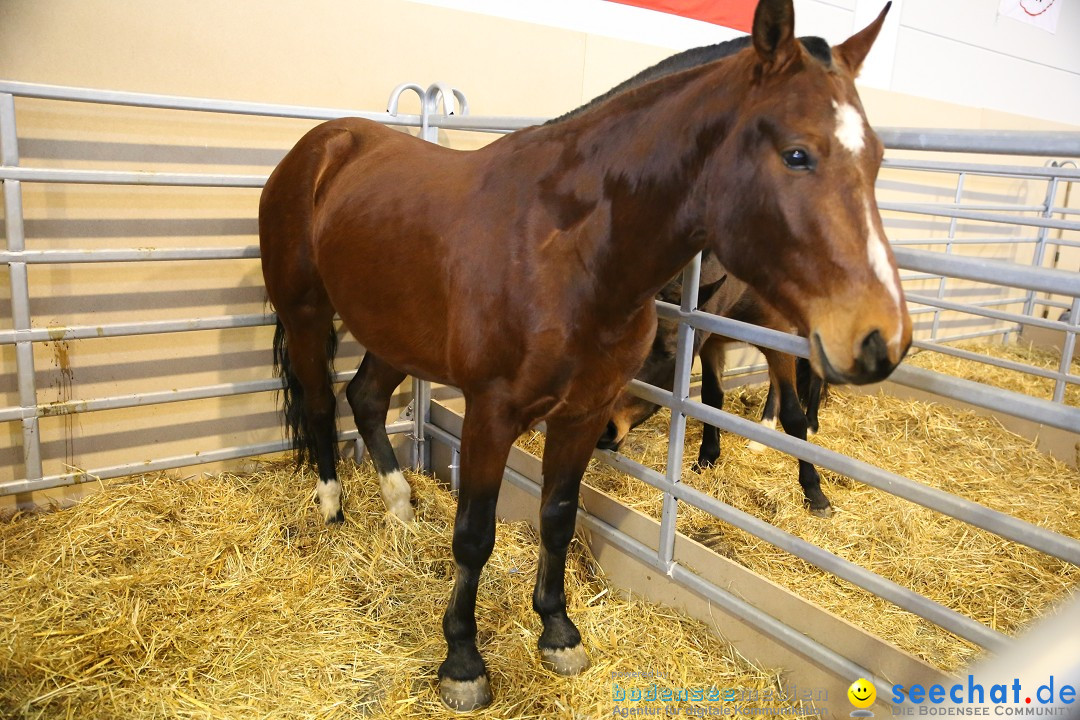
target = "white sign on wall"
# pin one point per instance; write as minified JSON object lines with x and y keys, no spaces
{"x":1040,"y":13}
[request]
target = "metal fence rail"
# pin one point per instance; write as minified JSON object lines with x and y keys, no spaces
{"x":17,"y":258}
{"x":176,"y":102}
{"x":940,"y":266}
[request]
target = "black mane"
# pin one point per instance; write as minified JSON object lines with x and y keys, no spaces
{"x":687,"y":59}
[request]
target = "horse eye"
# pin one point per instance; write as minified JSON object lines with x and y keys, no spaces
{"x":797,"y":159}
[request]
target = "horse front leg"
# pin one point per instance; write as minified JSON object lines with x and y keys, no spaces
{"x":794,"y":422}
{"x":486,"y":437}
{"x":567,"y":451}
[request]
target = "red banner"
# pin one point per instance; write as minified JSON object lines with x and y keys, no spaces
{"x":737,"y":14}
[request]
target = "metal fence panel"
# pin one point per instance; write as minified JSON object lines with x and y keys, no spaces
{"x":974,"y":205}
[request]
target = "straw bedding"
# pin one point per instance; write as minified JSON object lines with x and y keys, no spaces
{"x":225,"y":597}
{"x":975,"y":572}
{"x":1000,"y":377}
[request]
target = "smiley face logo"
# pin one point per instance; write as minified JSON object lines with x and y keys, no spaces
{"x":862,"y":693}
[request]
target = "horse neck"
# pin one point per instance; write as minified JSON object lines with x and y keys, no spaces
{"x":645,"y":152}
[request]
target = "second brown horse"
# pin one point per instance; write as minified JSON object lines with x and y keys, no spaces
{"x":722,"y":294}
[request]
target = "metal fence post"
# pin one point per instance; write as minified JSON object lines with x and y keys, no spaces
{"x":1039,"y":254}
{"x":684,"y":361}
{"x":944,"y":281}
{"x":453,"y":100}
{"x":20,"y":292}
{"x":1067,"y":350}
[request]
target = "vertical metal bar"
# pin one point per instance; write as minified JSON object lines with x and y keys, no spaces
{"x":429,"y":105}
{"x":455,"y":470}
{"x":684,"y":361}
{"x":1068,"y":350}
{"x":421,"y":390}
{"x":1040,"y":238}
{"x":943,"y":282}
{"x":20,"y":292}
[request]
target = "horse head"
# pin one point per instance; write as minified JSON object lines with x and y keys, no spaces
{"x":791,"y":207}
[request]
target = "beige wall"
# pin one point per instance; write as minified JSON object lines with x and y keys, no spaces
{"x":305,"y":52}
{"x":892,"y":109}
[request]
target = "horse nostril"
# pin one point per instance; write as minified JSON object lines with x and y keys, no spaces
{"x":874,"y":345}
{"x":609,"y":440}
{"x":874,"y":357}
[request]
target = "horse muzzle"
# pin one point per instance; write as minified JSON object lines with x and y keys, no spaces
{"x":610,"y":440}
{"x":872,"y":361}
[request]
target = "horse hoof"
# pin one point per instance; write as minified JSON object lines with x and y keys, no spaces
{"x":405,"y":514}
{"x":703,"y":465}
{"x":396,"y":494}
{"x":825,"y":512}
{"x":465,"y":695}
{"x":565,"y":661}
{"x":328,"y":498}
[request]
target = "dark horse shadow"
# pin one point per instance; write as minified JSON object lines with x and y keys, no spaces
{"x":795,"y":391}
{"x":524,"y":273}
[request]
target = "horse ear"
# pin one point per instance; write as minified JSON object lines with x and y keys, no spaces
{"x":854,"y":50}
{"x":774,"y":28}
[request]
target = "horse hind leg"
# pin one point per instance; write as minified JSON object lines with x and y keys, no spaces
{"x":768,"y":412}
{"x":305,"y":341}
{"x":795,"y":424}
{"x":812,"y":389}
{"x":369,"y":394}
{"x":304,"y":352}
{"x":712,"y":394}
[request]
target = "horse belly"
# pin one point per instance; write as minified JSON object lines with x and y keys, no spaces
{"x":395,"y":315}
{"x":389,"y":300}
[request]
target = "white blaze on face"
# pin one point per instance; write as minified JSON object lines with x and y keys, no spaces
{"x":879,"y":258}
{"x":879,"y":261}
{"x":851,"y":133}
{"x":850,"y":130}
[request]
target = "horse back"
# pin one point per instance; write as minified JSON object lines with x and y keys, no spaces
{"x":445,"y":264}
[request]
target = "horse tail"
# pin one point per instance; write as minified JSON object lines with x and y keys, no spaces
{"x":297,"y":428}
{"x":293,"y":285}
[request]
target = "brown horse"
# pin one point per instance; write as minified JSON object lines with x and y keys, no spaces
{"x":523,"y":273}
{"x":722,"y":294}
